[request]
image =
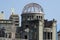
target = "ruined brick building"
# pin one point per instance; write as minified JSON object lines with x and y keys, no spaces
{"x":33,"y":25}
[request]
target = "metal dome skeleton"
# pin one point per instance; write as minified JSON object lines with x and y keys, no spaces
{"x":32,"y":8}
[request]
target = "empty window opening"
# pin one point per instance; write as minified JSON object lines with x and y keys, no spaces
{"x":26,"y":26}
{"x":39,"y":16}
{"x":25,"y":36}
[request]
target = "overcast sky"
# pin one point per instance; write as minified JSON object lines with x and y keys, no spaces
{"x":51,"y":8}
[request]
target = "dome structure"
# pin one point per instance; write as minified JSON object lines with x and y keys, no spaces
{"x":32,"y":8}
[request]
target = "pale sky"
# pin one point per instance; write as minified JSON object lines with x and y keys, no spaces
{"x":51,"y":8}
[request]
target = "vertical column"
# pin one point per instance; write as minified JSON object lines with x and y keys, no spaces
{"x":7,"y":35}
{"x":40,"y":30}
{"x":13,"y":32}
{"x":54,"y":30}
{"x":13,"y":35}
{"x":50,"y":35}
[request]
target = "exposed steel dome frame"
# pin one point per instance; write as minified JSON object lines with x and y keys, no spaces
{"x":32,"y":8}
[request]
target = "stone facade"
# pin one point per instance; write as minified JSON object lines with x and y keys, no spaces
{"x":33,"y":25}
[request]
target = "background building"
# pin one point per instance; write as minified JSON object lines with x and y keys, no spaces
{"x":58,"y":35}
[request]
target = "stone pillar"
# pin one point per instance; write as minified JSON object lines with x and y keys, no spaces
{"x":7,"y":35}
{"x":40,"y":30}
{"x":54,"y":30}
{"x":13,"y":35}
{"x":13,"y":32}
